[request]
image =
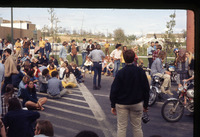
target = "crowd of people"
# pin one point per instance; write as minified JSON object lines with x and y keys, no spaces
{"x":27,"y":68}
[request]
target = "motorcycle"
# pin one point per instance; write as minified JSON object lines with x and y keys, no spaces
{"x":173,"y":109}
{"x":171,"y":68}
{"x":155,"y":90}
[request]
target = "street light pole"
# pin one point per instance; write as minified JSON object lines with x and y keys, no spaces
{"x":12,"y":41}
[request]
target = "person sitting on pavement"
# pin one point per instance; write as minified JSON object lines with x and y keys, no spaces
{"x":77,"y":72}
{"x":10,"y":93}
{"x":62,"y":70}
{"x":104,"y":65}
{"x":110,"y":67}
{"x":86,"y":134}
{"x":22,"y":84}
{"x":19,"y":122}
{"x":16,"y":79}
{"x":51,"y":69}
{"x":55,"y":89}
{"x":69,"y":79}
{"x":44,"y":128}
{"x":40,"y":59}
{"x":43,"y":81}
{"x":88,"y":65}
{"x":158,"y":70}
{"x":55,"y":61}
{"x":30,"y":99}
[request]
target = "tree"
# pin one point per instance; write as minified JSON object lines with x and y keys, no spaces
{"x":52,"y":19}
{"x":169,"y":38}
{"x":119,"y":36}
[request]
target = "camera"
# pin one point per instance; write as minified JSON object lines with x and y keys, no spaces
{"x":145,"y":118}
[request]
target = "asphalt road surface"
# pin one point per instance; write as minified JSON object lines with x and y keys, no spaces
{"x":88,"y":109}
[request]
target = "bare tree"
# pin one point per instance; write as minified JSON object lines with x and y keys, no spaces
{"x":52,"y":19}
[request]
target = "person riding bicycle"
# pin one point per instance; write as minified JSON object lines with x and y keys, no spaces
{"x":158,"y":70}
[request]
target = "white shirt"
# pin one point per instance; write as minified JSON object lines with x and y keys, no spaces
{"x":1,"y":46}
{"x":116,"y":54}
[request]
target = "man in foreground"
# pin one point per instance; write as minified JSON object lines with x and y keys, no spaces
{"x":129,"y":96}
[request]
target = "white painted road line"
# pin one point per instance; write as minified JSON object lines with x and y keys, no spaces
{"x":101,"y":95}
{"x":77,"y":100}
{"x":71,"y":112}
{"x":78,"y":122}
{"x":98,"y":112}
{"x":68,"y":104}
{"x":66,"y":128}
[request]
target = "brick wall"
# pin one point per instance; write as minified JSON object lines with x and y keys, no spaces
{"x":18,"y":33}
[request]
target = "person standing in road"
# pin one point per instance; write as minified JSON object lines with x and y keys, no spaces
{"x":150,"y":51}
{"x":116,"y":56}
{"x":47,"y":48}
{"x":96,"y":57}
{"x":83,"y":47}
{"x":107,"y":45}
{"x":73,"y":50}
{"x":129,"y":96}
{"x":41,"y":45}
{"x":63,"y":52}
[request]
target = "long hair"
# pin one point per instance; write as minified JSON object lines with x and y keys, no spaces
{"x":162,"y":55}
{"x":14,"y":104}
{"x":45,"y":127}
{"x":33,"y":90}
{"x":190,"y":56}
{"x":9,"y":92}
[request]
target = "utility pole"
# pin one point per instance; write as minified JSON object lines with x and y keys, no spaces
{"x":12,"y":41}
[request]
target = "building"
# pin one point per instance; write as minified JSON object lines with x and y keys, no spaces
{"x":20,"y":29}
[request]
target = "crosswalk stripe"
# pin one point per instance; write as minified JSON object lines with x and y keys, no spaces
{"x":77,"y":100}
{"x":101,"y":95}
{"x":72,"y":112}
{"x":77,"y":95}
{"x":98,"y":112}
{"x":66,"y":128}
{"x":68,"y":104}
{"x":71,"y":120}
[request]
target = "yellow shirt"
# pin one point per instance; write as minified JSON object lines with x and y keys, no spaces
{"x":18,"y":46}
{"x":51,"y":70}
{"x":107,"y":45}
{"x":42,"y":44}
{"x":122,"y":58}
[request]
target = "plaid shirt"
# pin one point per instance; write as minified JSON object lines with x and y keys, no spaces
{"x":155,"y":54}
{"x":5,"y":105}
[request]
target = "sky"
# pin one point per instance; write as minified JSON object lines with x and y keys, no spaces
{"x":132,"y":21}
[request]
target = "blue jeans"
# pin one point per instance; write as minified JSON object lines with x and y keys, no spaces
{"x":83,"y":58}
{"x":42,"y":51}
{"x":47,"y":54}
{"x":25,"y":50}
{"x":116,"y":67}
{"x":97,"y":71}
{"x":123,"y":65}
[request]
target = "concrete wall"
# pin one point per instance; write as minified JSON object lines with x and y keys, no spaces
{"x":18,"y":33}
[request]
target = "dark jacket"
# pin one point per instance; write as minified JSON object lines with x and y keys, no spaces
{"x":48,"y":47}
{"x":129,"y":87}
{"x":20,"y":123}
{"x":27,"y":95}
{"x":16,"y":79}
{"x":88,"y":48}
{"x":40,"y":60}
